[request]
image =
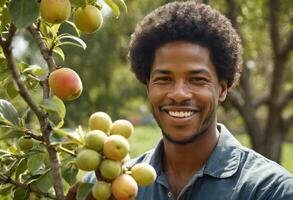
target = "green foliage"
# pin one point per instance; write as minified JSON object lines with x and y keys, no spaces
{"x":83,"y":190}
{"x":8,"y":114}
{"x":56,"y":108}
{"x":32,"y":131}
{"x":23,"y":12}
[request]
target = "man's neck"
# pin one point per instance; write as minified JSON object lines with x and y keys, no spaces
{"x":189,"y":158}
{"x":181,"y":162}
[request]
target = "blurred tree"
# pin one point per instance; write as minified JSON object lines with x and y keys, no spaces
{"x":264,"y":99}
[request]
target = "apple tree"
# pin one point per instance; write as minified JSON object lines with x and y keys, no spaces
{"x":40,"y":159}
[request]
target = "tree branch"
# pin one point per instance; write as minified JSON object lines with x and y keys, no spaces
{"x":44,"y":50}
{"x":27,"y":187}
{"x":285,"y":51}
{"x":46,"y":53}
{"x":286,"y":99}
{"x":262,"y":101}
{"x":288,"y":123}
{"x":34,"y":136}
{"x":7,"y":49}
{"x":231,"y":12}
{"x":42,"y":116}
{"x":274,"y":27}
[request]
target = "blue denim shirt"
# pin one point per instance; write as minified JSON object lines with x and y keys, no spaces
{"x":231,"y":172}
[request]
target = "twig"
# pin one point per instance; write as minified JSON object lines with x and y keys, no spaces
{"x":34,"y":136}
{"x":44,"y":50}
{"x":27,"y":187}
{"x":66,"y":151}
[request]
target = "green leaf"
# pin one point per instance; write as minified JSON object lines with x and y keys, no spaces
{"x":4,"y":71}
{"x":4,"y":74}
{"x":55,"y":106}
{"x":22,"y":166}
{"x":22,"y":66}
{"x":35,"y":70}
{"x":8,"y":112}
{"x":11,"y":90}
{"x":113,"y":6}
{"x":69,"y":175}
{"x":91,"y":1}
{"x":78,"y":3}
{"x":5,"y":190}
{"x":69,"y":133}
{"x":45,"y":182}
{"x":21,"y":194}
{"x":73,"y":25}
{"x":11,"y":134}
{"x":54,"y":29}
{"x":56,"y":120}
{"x":35,"y":162}
{"x":4,"y":18}
{"x":3,"y":64}
{"x":23,"y":12}
{"x":122,"y":4}
{"x":59,"y":52}
{"x":83,"y":190}
{"x":76,"y":41}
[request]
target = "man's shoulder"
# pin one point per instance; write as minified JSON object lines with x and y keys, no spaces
{"x":144,"y":158}
{"x":255,"y":162}
{"x":257,"y":173}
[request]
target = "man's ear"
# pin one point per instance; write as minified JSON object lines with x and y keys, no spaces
{"x":223,"y":90}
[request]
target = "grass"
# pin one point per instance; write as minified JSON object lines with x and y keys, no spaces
{"x":146,"y":137}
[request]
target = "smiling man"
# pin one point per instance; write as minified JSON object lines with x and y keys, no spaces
{"x":188,"y":56}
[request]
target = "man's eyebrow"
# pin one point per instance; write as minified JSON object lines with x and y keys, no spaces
{"x":199,"y":71}
{"x":160,"y":71}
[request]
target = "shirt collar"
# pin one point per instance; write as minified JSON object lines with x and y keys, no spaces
{"x":225,"y":159}
{"x":222,"y":163}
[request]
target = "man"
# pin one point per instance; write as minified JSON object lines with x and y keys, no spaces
{"x":189,"y":56}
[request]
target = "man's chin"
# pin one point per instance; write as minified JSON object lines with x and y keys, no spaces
{"x":194,"y":137}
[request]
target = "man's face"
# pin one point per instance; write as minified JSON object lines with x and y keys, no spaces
{"x":184,"y":91}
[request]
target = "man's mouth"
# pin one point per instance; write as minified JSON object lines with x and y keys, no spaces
{"x":179,"y":111}
{"x":180,"y":114}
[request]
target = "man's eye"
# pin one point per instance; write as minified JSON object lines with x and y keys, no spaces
{"x":198,"y":80}
{"x":163,"y":79}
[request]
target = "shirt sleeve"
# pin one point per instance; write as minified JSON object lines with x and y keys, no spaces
{"x":283,"y":190}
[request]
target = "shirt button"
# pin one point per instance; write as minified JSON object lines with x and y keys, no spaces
{"x":169,"y":194}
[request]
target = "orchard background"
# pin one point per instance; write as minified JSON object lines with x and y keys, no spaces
{"x":260,"y":109}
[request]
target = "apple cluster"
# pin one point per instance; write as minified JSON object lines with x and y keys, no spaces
{"x":87,"y":19}
{"x":105,"y":151}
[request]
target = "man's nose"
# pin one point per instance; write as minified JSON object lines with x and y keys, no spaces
{"x":179,"y":92}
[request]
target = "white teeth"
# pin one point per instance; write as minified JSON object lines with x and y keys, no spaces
{"x":180,"y":114}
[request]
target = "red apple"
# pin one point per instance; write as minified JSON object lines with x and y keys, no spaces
{"x":65,"y":84}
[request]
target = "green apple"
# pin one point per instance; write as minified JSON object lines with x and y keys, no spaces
{"x":101,"y":190}
{"x":25,"y":144}
{"x":95,"y":140}
{"x":144,"y":174}
{"x":55,"y":11}
{"x":122,"y":127}
{"x":110,"y":169}
{"x":88,"y":19}
{"x":88,"y":160}
{"x":116,"y":147}
{"x":100,"y":121}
